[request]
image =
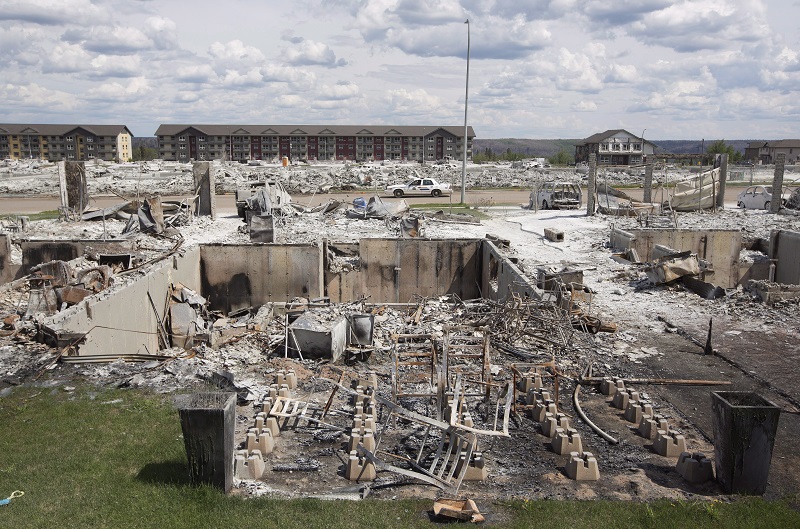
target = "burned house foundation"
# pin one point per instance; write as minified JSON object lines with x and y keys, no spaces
{"x":237,"y":278}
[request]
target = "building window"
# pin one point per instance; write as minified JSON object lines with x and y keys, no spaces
{"x":181,"y":138}
{"x":89,"y":140}
{"x":605,"y":159}
{"x":70,"y":147}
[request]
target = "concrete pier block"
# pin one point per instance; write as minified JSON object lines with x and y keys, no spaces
{"x":288,"y":377}
{"x":553,"y":422}
{"x":649,"y":426}
{"x":359,"y":468}
{"x":608,"y":387}
{"x":284,"y":391}
{"x":369,"y":381}
{"x":249,"y":466}
{"x":621,"y":400}
{"x":368,"y":440}
{"x":273,"y":391}
{"x":261,"y":421}
{"x":566,"y":441}
{"x":467,"y":420}
{"x":261,"y":441}
{"x":535,"y":395}
{"x":266,"y":404}
{"x":538,"y":413}
{"x":273,"y":427}
{"x":526,"y":384}
{"x":623,"y":397}
{"x":636,"y":410}
{"x":582,"y":467}
{"x":695,"y":468}
{"x":476,"y":468}
{"x":355,"y":439}
{"x":669,"y":444}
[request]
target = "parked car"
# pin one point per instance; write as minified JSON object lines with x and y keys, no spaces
{"x":760,"y":197}
{"x":420,"y":187}
{"x":557,"y":195}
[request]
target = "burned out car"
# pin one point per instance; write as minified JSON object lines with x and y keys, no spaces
{"x":556,"y":195}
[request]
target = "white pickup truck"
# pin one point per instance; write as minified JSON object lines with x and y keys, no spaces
{"x":421,"y":187}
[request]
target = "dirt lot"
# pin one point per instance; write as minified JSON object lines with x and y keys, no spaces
{"x":755,"y":348}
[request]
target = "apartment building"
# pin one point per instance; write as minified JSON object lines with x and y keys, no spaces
{"x":766,"y":152}
{"x":615,"y":147}
{"x":65,"y":142}
{"x":312,"y":142}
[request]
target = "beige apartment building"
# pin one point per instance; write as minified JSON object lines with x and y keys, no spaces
{"x":65,"y":142}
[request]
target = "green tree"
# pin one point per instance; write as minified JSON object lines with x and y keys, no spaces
{"x":562,"y":157}
{"x":143,"y":154}
{"x":720,"y":147}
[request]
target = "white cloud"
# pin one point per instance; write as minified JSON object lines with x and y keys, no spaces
{"x":114,"y":39}
{"x":36,"y":97}
{"x":53,"y":12}
{"x":309,"y":52}
{"x":539,"y":68}
{"x":161,"y":32}
{"x":412,"y":101}
{"x":340,"y":91}
{"x":115,"y":91}
{"x":235,"y":52}
{"x":67,"y":58}
{"x":584,"y":106}
{"x":621,"y":73}
{"x":196,"y":73}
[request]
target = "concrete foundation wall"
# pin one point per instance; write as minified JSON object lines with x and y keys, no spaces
{"x":720,"y":247}
{"x":7,"y":271}
{"x":784,"y":247}
{"x":36,"y":252}
{"x":241,"y":276}
{"x":395,"y":270}
{"x":124,"y":322}
{"x":500,"y":277}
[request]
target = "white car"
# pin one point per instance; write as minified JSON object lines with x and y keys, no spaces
{"x":420,"y":187}
{"x":759,"y":197}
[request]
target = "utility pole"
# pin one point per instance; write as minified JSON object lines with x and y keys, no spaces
{"x":466,"y":135}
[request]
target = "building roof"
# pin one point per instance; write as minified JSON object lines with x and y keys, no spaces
{"x":311,"y":130}
{"x":784,"y":144}
{"x":61,"y":129}
{"x":600,"y":136}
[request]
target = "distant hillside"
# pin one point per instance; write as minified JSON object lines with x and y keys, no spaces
{"x":531,"y":148}
{"x":150,"y":142}
{"x":547,"y":148}
{"x":695,"y":146}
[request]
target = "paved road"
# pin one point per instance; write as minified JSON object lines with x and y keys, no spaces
{"x":226,"y":203}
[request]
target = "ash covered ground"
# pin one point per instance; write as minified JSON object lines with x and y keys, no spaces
{"x":756,"y":344}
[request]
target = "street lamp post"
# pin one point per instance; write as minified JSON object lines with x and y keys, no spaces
{"x":643,"y":131}
{"x":466,"y":136}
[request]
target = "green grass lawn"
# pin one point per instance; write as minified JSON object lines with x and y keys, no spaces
{"x":115,"y":458}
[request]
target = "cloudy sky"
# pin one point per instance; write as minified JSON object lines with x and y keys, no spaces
{"x":682,"y":69}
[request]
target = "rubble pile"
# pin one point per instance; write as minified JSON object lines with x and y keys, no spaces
{"x":25,"y":177}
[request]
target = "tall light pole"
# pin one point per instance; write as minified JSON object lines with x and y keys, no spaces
{"x":643,"y":131}
{"x":466,"y":136}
